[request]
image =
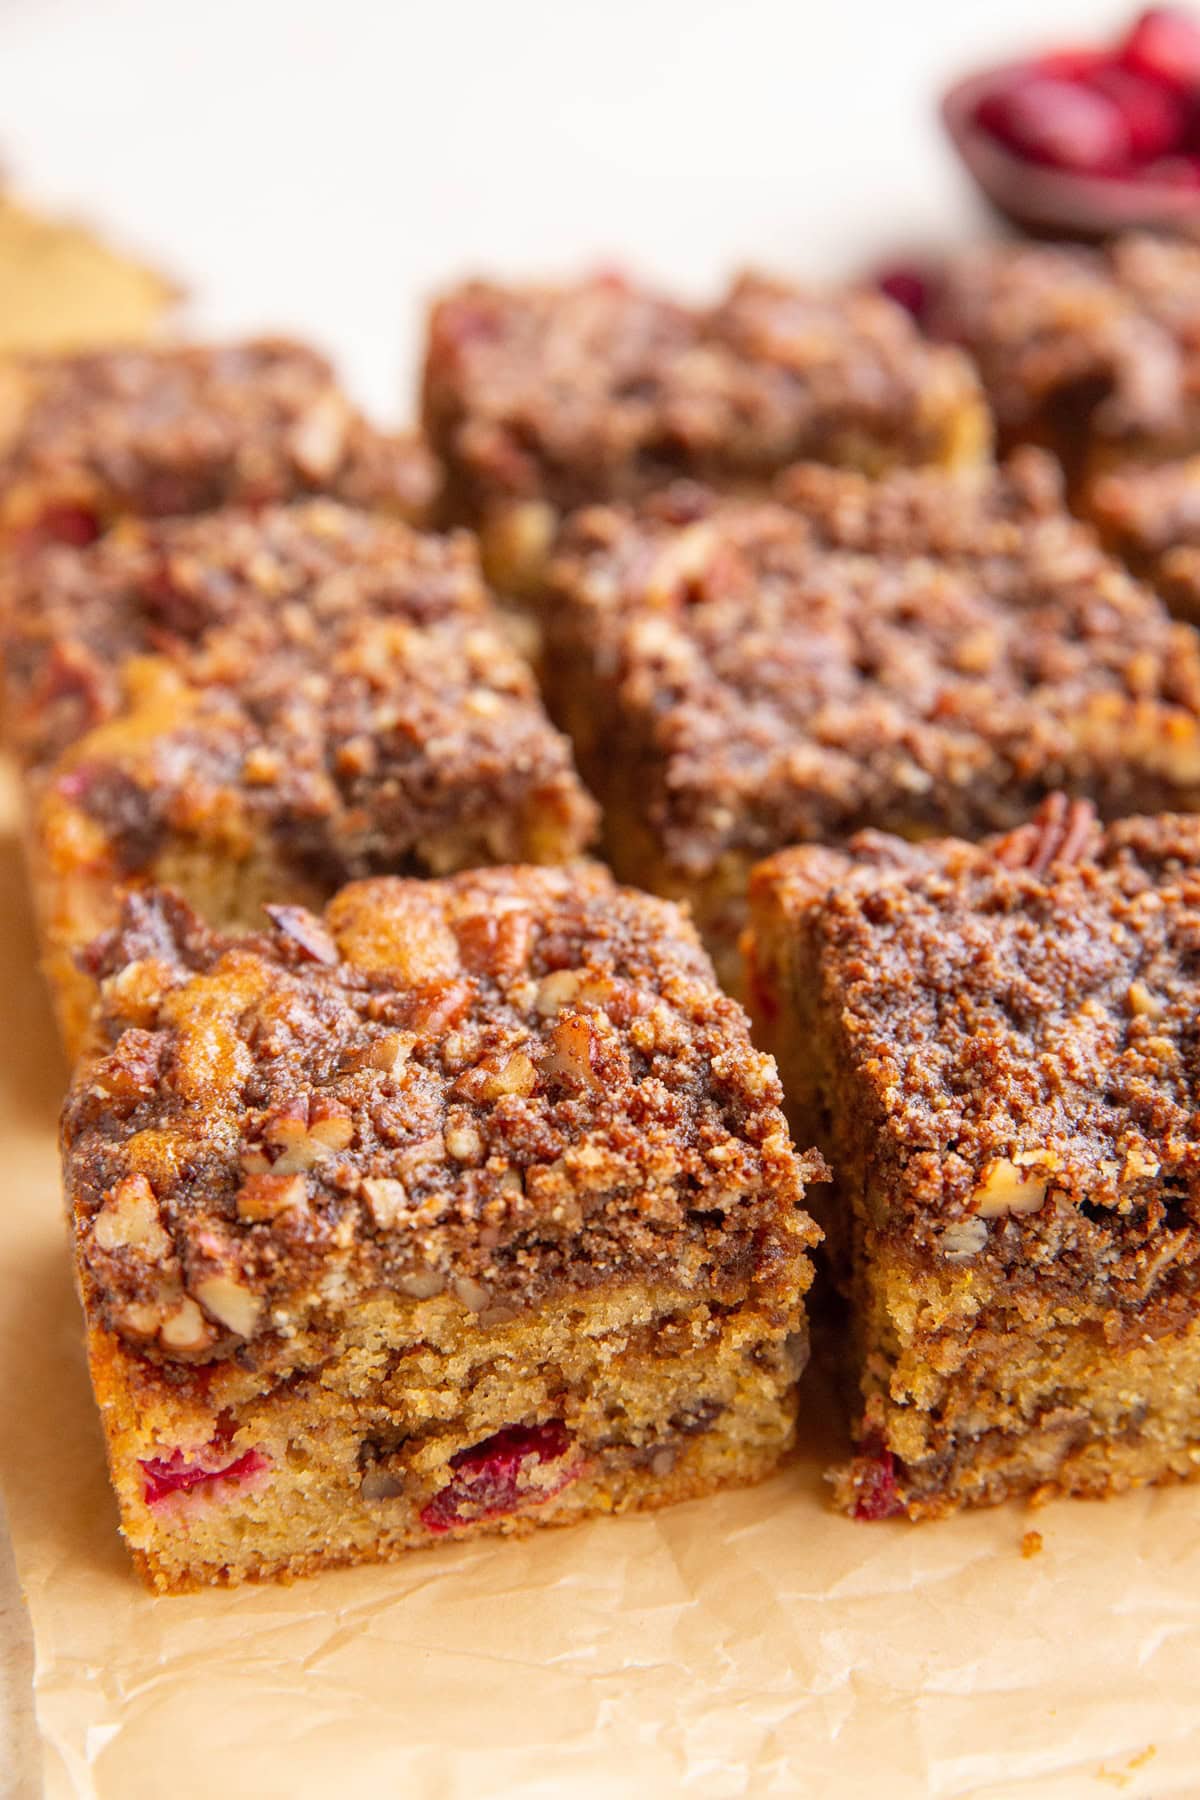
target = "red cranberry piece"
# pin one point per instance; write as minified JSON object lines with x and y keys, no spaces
{"x":1071,"y":65}
{"x":908,"y":286}
{"x":1156,"y":117}
{"x":179,"y":1474}
{"x":876,"y":1495}
{"x":1061,"y":123}
{"x":62,"y":522}
{"x":498,"y":1475}
{"x":1164,"y":45}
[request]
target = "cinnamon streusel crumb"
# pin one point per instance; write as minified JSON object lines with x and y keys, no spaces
{"x":155,"y":430}
{"x":539,"y":399}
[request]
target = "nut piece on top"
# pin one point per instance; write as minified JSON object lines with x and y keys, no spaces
{"x":540,"y":399}
{"x":155,"y":430}
{"x":277,"y":703}
{"x":464,"y":1208}
{"x":927,"y":652}
{"x":995,"y":1044}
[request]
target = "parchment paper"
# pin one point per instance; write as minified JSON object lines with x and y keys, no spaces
{"x":753,"y":1644}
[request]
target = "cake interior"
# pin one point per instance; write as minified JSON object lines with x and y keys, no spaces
{"x":410,"y":1421}
{"x":966,"y":1400}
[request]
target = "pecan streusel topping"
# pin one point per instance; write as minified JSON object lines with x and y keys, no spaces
{"x":1149,"y":513}
{"x":500,"y":1083}
{"x":332,"y":678}
{"x":931,"y":652}
{"x":1114,"y":333}
{"x":187,"y":428}
{"x":604,"y":390}
{"x":1021,"y":1043}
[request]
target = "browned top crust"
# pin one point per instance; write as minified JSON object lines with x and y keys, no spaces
{"x":928,"y":652}
{"x":1067,"y":335}
{"x":1012,"y":1030}
{"x":327,"y":686}
{"x":500,"y":1084}
{"x":187,"y":428}
{"x":602,"y":390}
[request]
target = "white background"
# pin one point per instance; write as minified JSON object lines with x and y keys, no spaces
{"x":325,"y":167}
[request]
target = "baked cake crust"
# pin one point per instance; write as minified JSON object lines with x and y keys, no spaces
{"x":927,"y":652}
{"x":540,"y":399}
{"x":993,"y":1043}
{"x":466,"y":1111}
{"x":156,"y":430}
{"x":278,"y":703}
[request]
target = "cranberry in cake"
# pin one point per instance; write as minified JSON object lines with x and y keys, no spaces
{"x":995,"y":1045}
{"x":87,"y":438}
{"x":465,"y":1207}
{"x":924,"y":653}
{"x":541,"y":399}
{"x":261,"y":707}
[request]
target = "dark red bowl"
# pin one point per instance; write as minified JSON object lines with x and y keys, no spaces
{"x":1052,"y":202}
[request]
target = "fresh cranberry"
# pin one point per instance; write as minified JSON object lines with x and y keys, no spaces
{"x":1156,"y":117}
{"x":1164,"y":45}
{"x":494,"y":1477}
{"x":61,"y":522}
{"x":1061,"y":123}
{"x":179,"y":1474}
{"x":907,"y":286}
{"x":876,"y":1495}
{"x":1071,"y":65}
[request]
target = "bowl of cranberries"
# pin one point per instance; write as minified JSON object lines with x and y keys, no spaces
{"x":1084,"y":142}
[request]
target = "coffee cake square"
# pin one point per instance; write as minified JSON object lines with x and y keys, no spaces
{"x":465,"y":1207}
{"x":1094,"y":353}
{"x":259,"y":707}
{"x":541,"y":399}
{"x":995,"y":1046}
{"x":919,"y":654}
{"x":184,"y":428}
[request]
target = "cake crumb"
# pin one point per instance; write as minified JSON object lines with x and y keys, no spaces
{"x":1032,"y":1544}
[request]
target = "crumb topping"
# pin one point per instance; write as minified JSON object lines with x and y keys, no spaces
{"x":330,"y":678}
{"x":604,"y":390}
{"x":1150,"y":514}
{"x":1114,"y":332}
{"x":926,"y":652}
{"x":495,"y":1085}
{"x":1014,"y":1026}
{"x":187,"y":428}
{"x":1147,"y":508}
